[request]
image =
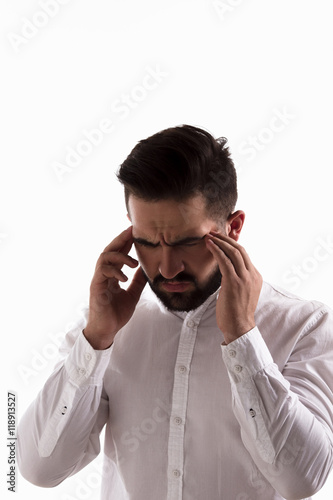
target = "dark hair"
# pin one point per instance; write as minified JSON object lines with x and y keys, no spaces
{"x":178,"y":163}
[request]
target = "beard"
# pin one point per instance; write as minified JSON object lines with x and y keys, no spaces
{"x":188,"y":300}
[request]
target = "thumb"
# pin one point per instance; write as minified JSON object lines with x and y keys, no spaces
{"x":137,"y":285}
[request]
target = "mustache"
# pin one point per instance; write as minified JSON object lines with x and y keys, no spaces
{"x":179,"y":278}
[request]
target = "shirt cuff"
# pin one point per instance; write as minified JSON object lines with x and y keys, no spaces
{"x":86,"y":365}
{"x":247,"y":355}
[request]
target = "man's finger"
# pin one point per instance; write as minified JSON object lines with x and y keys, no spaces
{"x":233,"y":243}
{"x":116,"y":258}
{"x":225,"y":264}
{"x":122,"y":240}
{"x":232,"y":254}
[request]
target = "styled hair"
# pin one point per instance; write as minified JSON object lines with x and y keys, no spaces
{"x":179,"y":163}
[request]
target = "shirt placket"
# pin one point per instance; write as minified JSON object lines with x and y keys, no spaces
{"x":179,"y":403}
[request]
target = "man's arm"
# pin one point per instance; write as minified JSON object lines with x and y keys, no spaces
{"x":285,"y":418}
{"x":59,"y":433}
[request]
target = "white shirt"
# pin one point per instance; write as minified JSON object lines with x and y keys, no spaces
{"x":186,"y":417}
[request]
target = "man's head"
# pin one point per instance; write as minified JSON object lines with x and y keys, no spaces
{"x":179,"y":163}
{"x":180,"y":184}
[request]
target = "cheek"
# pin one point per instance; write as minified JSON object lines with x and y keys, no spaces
{"x":203,"y":261}
{"x":199,"y":261}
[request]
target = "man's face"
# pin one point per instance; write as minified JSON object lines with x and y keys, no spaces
{"x":169,"y":241}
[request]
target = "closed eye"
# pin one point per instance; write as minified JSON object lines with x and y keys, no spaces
{"x":191,"y":242}
{"x":144,"y":243}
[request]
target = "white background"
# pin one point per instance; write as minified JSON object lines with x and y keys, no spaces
{"x":230,"y":70}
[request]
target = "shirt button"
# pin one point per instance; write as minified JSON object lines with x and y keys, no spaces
{"x":81,"y":371}
{"x":63,"y":411}
{"x":177,"y":420}
{"x":87,"y":356}
{"x":252,"y":412}
{"x":182,"y":369}
{"x":190,"y":323}
{"x":232,"y":353}
{"x":176,"y":473}
{"x":238,"y":368}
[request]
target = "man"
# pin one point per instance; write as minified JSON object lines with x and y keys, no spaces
{"x":212,"y":383}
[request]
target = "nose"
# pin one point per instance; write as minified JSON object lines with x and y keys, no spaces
{"x":171,"y":264}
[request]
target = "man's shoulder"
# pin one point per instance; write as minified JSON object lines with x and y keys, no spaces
{"x":275,"y":292}
{"x":279,"y":301}
{"x":285,"y":319}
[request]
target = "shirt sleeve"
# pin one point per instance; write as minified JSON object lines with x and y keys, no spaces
{"x":59,"y":433}
{"x":286,"y":416}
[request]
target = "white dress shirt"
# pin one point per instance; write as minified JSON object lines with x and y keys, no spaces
{"x":188,"y":418}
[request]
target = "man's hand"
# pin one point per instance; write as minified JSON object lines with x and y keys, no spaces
{"x":240,"y":287}
{"x":111,"y":307}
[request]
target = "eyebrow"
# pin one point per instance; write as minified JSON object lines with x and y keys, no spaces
{"x":183,"y":241}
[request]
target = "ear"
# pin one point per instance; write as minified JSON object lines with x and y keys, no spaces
{"x":129,"y":217}
{"x":234,"y":224}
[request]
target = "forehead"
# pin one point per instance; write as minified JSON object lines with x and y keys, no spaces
{"x":169,"y":218}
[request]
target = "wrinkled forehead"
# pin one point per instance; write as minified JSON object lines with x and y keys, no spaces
{"x":168,"y":219}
